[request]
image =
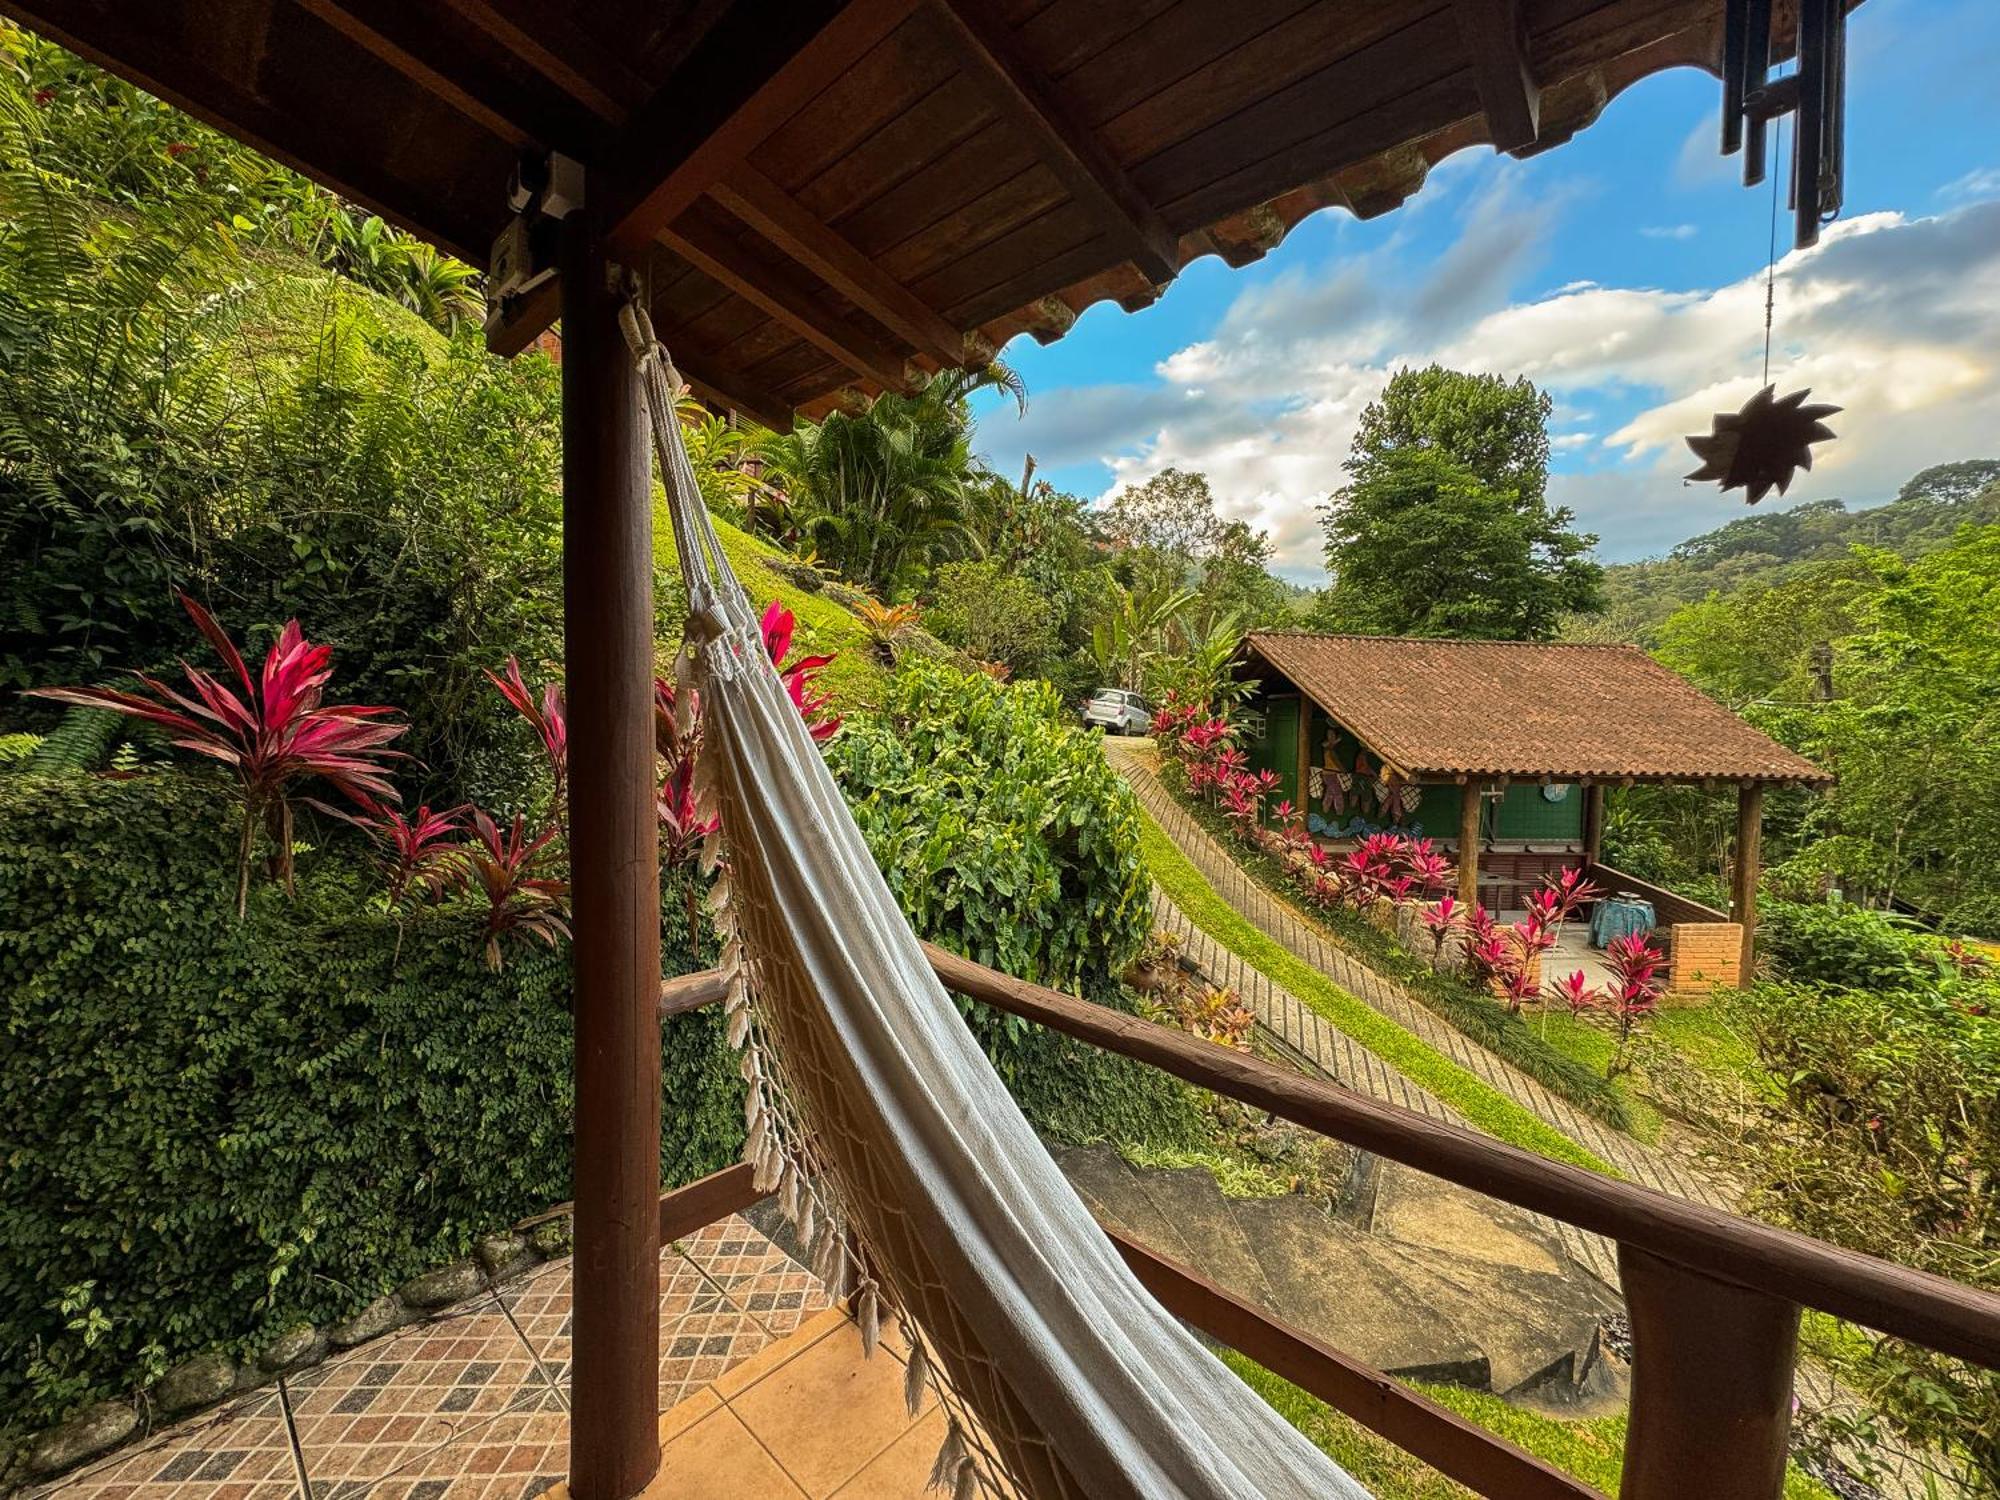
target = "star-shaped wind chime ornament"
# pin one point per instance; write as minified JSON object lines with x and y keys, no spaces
{"x":1761,"y":447}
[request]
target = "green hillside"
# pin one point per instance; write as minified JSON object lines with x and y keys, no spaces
{"x":1763,"y":547}
{"x":825,"y":626}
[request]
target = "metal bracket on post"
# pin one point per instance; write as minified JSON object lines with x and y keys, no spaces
{"x":521,"y":294}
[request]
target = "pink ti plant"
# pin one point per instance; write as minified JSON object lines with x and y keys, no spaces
{"x":271,"y":731}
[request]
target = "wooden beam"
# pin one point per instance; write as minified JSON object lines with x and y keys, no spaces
{"x":707,"y":1199}
{"x":1071,"y":150}
{"x":1749,"y":861}
{"x":1306,"y":706}
{"x":400,"y":36}
{"x":548,"y":41}
{"x":527,"y":318}
{"x":787,"y":299}
{"x":615,"y":885}
{"x":1711,"y":1384}
{"x":194,"y":84}
{"x":791,"y":229}
{"x":757,"y":67}
{"x":1497,"y":43}
{"x":725,"y":388}
{"x":1456,"y":1448}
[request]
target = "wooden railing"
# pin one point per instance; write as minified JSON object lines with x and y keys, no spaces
{"x":1669,"y":907}
{"x":1713,"y":1299}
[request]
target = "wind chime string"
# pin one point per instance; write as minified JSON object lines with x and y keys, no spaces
{"x":1771,"y":256}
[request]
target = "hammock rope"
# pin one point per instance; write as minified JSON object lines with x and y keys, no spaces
{"x":920,"y":1193}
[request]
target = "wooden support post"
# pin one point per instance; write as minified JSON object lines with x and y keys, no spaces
{"x":1593,"y":823}
{"x":1749,"y":859}
{"x":1471,"y":795}
{"x":615,"y":886}
{"x":1711,"y":1384}
{"x":1305,"y":752}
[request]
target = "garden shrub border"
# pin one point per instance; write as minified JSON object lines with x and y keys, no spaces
{"x":1480,"y":1103}
{"x":1481,"y":1018}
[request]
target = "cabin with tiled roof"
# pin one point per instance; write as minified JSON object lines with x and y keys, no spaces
{"x":1501,"y":750}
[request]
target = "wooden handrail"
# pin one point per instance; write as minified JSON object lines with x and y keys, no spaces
{"x":1930,"y":1310}
{"x":1715,"y":1290}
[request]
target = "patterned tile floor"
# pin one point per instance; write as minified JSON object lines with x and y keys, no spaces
{"x":473,"y":1404}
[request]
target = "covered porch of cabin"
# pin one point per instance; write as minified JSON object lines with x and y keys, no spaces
{"x":1503,"y":752}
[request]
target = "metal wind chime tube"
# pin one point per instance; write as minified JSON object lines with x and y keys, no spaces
{"x":1815,"y":91}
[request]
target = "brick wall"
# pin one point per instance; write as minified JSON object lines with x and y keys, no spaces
{"x":1702,"y":956}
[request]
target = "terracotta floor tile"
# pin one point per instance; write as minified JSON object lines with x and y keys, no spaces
{"x":678,"y":1419}
{"x":765,"y":1360}
{"x":383,"y":1405}
{"x":241,"y":1451}
{"x":828,"y":1412}
{"x":901,"y":1470}
{"x":520,"y":1453}
{"x":703,"y":1344}
{"x":718,"y":1459}
{"x":776,"y":1289}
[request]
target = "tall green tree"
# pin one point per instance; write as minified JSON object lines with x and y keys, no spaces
{"x":1444,"y":527}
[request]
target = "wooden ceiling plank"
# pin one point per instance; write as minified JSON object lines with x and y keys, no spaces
{"x":794,"y":306}
{"x":394,"y":33}
{"x":193,"y":83}
{"x":690,"y":133}
{"x":1073,"y":152}
{"x":548,"y":41}
{"x":1497,"y":42}
{"x":768,"y":209}
{"x":719,"y":387}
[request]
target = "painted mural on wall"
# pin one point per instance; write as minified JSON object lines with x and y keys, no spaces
{"x":1350,"y":792}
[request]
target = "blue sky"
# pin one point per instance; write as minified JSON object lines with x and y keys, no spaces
{"x":1623,"y":271}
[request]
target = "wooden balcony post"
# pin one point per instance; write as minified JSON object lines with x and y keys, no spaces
{"x":1711,"y":1384}
{"x":1593,"y":823}
{"x":1749,"y":861}
{"x":615,"y":886}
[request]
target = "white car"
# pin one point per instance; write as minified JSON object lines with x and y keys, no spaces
{"x":1117,"y":711}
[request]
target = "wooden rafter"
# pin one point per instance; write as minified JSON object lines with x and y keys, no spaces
{"x":1071,"y":151}
{"x":721,"y":386}
{"x":715,"y":112}
{"x":547,"y":40}
{"x":402,"y":37}
{"x":790,"y":228}
{"x":197,"y":83}
{"x":1498,"y":45}
{"x":787,"y":298}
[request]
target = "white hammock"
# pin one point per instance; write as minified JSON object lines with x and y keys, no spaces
{"x":909,"y":1173}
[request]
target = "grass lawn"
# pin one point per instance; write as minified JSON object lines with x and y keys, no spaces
{"x":824,"y":625}
{"x":1591,"y":1450}
{"x":1478,"y":1101}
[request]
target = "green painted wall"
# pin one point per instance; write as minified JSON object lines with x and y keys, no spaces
{"x":1527,"y":815}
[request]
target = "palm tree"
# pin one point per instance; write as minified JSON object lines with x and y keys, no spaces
{"x":890,"y":491}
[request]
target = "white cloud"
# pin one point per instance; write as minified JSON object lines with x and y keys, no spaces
{"x":1896,"y":320}
{"x":1670,"y":231}
{"x":1982,"y":182}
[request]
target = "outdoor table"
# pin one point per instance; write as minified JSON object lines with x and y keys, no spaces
{"x":1619,"y":916}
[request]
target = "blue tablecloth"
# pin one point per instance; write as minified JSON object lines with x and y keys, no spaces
{"x":1619,"y":916}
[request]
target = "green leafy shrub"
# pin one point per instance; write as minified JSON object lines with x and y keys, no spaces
{"x":1836,"y":943}
{"x":228,"y":1128}
{"x":1883,"y":1134}
{"x":1006,"y":837}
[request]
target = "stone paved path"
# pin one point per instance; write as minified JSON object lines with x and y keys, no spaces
{"x":1344,"y":1059}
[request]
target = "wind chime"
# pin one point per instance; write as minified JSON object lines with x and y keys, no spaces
{"x":1762,"y":446}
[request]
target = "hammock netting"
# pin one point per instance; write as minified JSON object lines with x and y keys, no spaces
{"x":913,"y":1180}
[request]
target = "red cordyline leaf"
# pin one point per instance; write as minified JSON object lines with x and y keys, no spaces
{"x":545,"y":712}
{"x":271,"y":731}
{"x":517,"y":900}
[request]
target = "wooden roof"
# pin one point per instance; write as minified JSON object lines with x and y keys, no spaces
{"x":830,"y":198}
{"x":1444,"y":710}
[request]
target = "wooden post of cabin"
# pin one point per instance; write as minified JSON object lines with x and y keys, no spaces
{"x":1749,"y":858}
{"x":1711,"y":1403}
{"x":1470,"y":796}
{"x":1593,"y":823}
{"x":615,"y":886}
{"x":1305,"y":752}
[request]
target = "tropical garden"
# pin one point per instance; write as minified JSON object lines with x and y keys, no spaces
{"x":283,"y":869}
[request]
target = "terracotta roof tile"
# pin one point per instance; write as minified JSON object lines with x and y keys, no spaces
{"x":1522,"y":708}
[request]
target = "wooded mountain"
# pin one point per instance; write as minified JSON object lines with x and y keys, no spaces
{"x":1765,"y":545}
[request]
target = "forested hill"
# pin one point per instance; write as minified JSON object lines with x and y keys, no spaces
{"x":1764,"y":545}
